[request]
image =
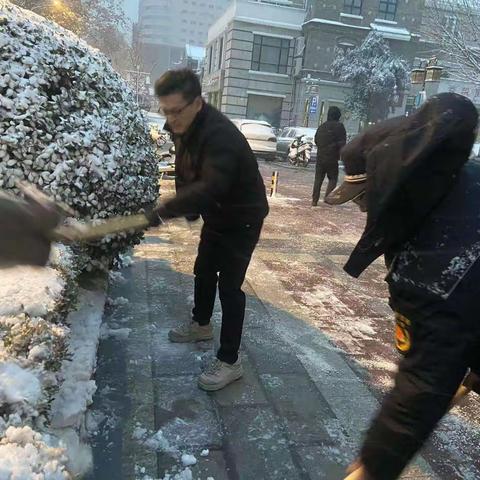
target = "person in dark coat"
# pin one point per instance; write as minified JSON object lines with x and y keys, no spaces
{"x":421,"y":196}
{"x":329,"y":138}
{"x":217,"y":177}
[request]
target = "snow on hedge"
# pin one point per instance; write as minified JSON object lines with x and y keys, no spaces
{"x":69,"y":124}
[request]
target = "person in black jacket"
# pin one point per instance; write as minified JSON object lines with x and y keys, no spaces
{"x":217,"y":177}
{"x":421,"y":196}
{"x":329,"y":138}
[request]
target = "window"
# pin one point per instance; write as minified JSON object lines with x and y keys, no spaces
{"x":270,"y":54}
{"x":210,"y":58}
{"x":220,"y":53}
{"x":388,"y":9}
{"x":353,"y":7}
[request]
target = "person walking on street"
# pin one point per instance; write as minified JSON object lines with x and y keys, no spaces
{"x":217,"y":177}
{"x":414,"y":179}
{"x":330,"y":139}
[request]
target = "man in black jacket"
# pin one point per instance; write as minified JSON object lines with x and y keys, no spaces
{"x":330,"y":138}
{"x":217,"y":177}
{"x":421,"y":196}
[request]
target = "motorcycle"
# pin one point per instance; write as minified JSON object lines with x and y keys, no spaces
{"x":300,"y":151}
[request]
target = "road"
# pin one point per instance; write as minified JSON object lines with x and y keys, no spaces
{"x":312,"y":244}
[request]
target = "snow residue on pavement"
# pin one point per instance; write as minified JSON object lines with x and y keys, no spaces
{"x":77,"y":390}
{"x":378,"y":363}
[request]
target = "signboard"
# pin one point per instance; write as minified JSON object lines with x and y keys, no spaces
{"x":313,"y":104}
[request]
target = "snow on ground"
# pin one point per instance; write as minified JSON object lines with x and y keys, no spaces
{"x":33,"y":341}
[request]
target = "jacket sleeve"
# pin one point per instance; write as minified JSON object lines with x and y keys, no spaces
{"x":216,"y":176}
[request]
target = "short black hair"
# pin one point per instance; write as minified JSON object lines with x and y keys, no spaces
{"x":334,"y":113}
{"x":183,"y":81}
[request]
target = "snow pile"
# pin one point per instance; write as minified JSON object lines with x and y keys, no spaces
{"x":33,"y":343}
{"x":69,"y":124}
{"x":26,"y":454}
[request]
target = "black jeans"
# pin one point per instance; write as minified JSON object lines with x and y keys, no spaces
{"x":445,"y":337}
{"x":330,"y":169}
{"x":223,"y":257}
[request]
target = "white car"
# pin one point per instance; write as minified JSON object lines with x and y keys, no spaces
{"x":260,"y":137}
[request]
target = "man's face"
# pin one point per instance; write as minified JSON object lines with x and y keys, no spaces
{"x":179,"y":112}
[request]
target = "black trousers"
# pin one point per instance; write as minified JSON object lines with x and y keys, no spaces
{"x":445,"y":338}
{"x":223,"y":258}
{"x":330,"y":169}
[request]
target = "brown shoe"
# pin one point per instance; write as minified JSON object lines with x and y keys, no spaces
{"x":191,"y":332}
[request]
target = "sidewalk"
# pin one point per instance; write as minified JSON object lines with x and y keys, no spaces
{"x":298,"y":413}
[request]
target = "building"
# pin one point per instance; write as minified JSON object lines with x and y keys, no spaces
{"x":193,"y":58}
{"x":344,"y":24}
{"x":165,"y":27}
{"x":249,"y":59}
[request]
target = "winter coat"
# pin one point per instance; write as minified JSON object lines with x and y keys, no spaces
{"x":330,"y":139}
{"x":217,"y":174}
{"x":446,"y":246}
{"x":411,"y":165}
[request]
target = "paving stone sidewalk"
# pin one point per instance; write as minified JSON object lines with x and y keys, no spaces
{"x":298,"y":413}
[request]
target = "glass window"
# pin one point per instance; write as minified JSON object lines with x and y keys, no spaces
{"x":270,"y":54}
{"x":353,"y":7}
{"x":387,"y":9}
{"x":220,"y":53}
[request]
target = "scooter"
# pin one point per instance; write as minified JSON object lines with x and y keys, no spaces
{"x":300,"y":151}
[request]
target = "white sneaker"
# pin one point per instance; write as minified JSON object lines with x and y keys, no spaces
{"x":219,"y":375}
{"x":191,"y":332}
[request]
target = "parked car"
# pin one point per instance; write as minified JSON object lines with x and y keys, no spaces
{"x":260,"y":137}
{"x":288,"y":135}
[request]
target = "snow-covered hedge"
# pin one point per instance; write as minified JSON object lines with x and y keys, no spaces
{"x":69,"y":124}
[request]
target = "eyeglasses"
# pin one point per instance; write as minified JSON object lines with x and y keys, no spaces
{"x":175,"y":112}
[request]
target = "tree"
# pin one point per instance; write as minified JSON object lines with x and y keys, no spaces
{"x":70,"y":14}
{"x":101,"y":23}
{"x":374,"y":74}
{"x":454,"y":26}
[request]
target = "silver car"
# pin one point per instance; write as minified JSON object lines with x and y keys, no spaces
{"x":288,"y":135}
